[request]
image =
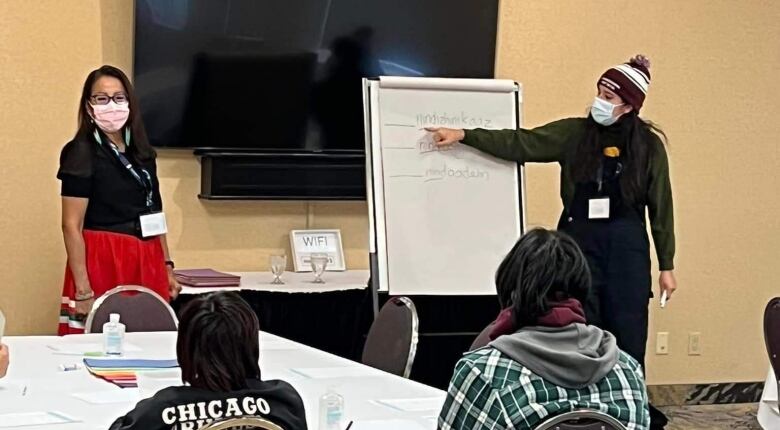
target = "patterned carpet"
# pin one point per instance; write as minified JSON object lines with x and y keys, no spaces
{"x":727,"y":416}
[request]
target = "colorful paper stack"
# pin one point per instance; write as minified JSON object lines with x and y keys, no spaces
{"x":206,"y":278}
{"x":123,"y":372}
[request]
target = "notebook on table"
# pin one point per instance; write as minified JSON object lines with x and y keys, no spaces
{"x":121,"y":372}
{"x":206,"y":278}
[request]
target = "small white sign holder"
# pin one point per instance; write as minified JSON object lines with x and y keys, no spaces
{"x":304,"y":243}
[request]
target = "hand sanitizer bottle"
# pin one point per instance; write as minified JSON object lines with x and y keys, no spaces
{"x":331,"y":410}
{"x":113,"y":336}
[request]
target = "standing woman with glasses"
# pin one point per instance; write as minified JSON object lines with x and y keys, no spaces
{"x":614,"y":171}
{"x":112,"y":219}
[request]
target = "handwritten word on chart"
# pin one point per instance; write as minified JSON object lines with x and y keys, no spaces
{"x":424,"y":145}
{"x":444,"y":119}
{"x":465,"y":172}
{"x":449,"y":172}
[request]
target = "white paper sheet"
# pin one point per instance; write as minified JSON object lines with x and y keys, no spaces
{"x":416,"y":249}
{"x":334,"y":372}
{"x":13,"y":388}
{"x":127,"y":395}
{"x":450,"y":84}
{"x":25,"y":419}
{"x":276,"y":346}
{"x":77,"y":348}
{"x":413,"y":405}
{"x":389,"y":425}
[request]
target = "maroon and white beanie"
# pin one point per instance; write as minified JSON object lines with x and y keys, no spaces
{"x":629,"y":80}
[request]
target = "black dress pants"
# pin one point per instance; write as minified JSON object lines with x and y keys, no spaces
{"x":618,"y":253}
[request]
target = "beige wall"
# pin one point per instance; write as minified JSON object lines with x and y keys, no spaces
{"x":713,"y":91}
{"x":47,"y":48}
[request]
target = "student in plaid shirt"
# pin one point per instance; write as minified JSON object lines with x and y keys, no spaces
{"x":544,"y":360}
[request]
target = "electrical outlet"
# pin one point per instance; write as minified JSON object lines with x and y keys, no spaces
{"x":694,"y":343}
{"x":662,"y":343}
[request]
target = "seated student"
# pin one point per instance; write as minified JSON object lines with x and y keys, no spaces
{"x":218,"y":351}
{"x":544,"y":360}
{"x":4,"y":360}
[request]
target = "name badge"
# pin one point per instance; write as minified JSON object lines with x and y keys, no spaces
{"x":598,"y":208}
{"x":153,"y":224}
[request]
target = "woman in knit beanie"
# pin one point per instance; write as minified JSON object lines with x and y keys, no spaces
{"x":614,"y":175}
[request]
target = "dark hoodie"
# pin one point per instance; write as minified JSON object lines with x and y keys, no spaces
{"x":182,"y":408}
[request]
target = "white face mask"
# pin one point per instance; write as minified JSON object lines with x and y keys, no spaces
{"x":602,"y":111}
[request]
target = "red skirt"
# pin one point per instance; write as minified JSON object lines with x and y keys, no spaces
{"x":114,"y":259}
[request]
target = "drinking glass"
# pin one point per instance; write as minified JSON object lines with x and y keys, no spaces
{"x":278,"y":264}
{"x":318,"y":264}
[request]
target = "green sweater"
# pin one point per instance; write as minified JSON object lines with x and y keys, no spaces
{"x":556,"y":141}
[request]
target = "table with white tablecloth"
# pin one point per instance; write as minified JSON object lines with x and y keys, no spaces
{"x":333,"y":317}
{"x":35,"y":381}
{"x":310,"y":313}
{"x":294,"y":282}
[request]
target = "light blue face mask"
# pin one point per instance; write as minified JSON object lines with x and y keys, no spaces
{"x":602,"y":112}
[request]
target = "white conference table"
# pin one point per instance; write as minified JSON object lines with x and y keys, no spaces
{"x":293,"y":282}
{"x":36,"y":384}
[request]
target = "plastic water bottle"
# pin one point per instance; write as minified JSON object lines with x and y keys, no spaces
{"x":331,"y":410}
{"x":113,"y":336}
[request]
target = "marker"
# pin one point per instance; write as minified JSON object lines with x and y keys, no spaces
{"x":663,"y":300}
{"x":69,"y":367}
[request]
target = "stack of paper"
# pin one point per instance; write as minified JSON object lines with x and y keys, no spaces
{"x":336,"y":372}
{"x":86,"y":349}
{"x":123,"y":372}
{"x":42,"y":418}
{"x":413,"y":405}
{"x":392,"y":424}
{"x":206,"y":278}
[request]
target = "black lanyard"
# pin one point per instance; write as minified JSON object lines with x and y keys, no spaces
{"x":146,"y":184}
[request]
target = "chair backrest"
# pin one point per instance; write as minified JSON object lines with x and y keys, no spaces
{"x":392,"y":339}
{"x":582,"y":420}
{"x":245,"y":422}
{"x":140,"y":309}
{"x":483,"y":338}
{"x":772,"y":335}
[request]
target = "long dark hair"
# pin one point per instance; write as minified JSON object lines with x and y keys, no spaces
{"x":140,"y":147}
{"x":218,"y":347}
{"x":543,"y":266}
{"x":638,"y":135}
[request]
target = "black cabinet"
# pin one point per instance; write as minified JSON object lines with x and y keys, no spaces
{"x":335,"y":175}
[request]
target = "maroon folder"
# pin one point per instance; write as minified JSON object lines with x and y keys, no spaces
{"x":206,"y":278}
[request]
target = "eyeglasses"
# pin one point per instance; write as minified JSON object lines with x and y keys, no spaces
{"x":103,"y":99}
